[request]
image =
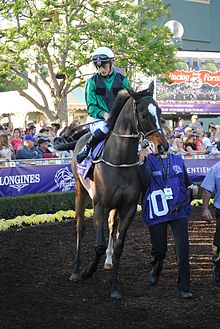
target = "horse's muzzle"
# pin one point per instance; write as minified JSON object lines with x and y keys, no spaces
{"x":162,"y":148}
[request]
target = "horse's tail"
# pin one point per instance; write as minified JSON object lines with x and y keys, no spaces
{"x":70,"y":137}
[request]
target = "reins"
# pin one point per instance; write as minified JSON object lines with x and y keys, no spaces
{"x":126,"y":136}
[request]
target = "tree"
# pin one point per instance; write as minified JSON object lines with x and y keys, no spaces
{"x":182,"y":66}
{"x":209,"y":67}
{"x":53,"y":41}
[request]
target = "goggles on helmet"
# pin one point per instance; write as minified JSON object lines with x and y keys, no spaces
{"x":101,"y":60}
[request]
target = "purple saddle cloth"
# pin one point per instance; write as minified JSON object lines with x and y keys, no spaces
{"x":84,"y":167}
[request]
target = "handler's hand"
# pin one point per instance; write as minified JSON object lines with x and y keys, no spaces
{"x":207,"y":215}
{"x":143,"y":153}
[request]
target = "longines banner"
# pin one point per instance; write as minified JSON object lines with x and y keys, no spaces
{"x":16,"y":181}
{"x":28,"y":180}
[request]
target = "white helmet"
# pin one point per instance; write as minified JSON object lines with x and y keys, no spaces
{"x":102,"y":55}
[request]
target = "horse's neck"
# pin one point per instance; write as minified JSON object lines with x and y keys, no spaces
{"x":122,"y":146}
{"x":121,"y":150}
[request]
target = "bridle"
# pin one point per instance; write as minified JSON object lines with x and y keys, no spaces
{"x":140,"y":134}
{"x":139,"y":127}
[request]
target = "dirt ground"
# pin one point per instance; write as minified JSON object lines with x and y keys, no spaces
{"x":36,"y":293}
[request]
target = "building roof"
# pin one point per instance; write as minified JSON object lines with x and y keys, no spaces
{"x":76,"y":98}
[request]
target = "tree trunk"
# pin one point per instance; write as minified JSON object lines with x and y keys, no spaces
{"x":61,"y":109}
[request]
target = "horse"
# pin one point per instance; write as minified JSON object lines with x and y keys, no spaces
{"x":115,"y":186}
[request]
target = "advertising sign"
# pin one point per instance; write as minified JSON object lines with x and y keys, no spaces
{"x":29,"y":179}
{"x":16,"y":181}
{"x":194,"y":87}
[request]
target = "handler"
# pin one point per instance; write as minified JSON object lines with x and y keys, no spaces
{"x":100,"y":92}
{"x":211,"y":184}
{"x":165,"y":201}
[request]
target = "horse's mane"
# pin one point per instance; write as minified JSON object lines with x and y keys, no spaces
{"x":118,"y":104}
{"x":122,"y":98}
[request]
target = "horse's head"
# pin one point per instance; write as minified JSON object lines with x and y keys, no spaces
{"x":148,"y":115}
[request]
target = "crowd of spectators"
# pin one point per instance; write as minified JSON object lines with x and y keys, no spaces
{"x":35,"y":141}
{"x":193,"y":139}
{"x":186,"y":92}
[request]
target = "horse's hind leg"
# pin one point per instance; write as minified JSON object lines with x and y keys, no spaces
{"x":81,"y":196}
{"x":109,"y":251}
{"x":100,"y":248}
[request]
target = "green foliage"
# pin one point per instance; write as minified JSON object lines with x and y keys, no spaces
{"x":60,"y":36}
{"x":209,"y":67}
{"x":17,"y":81}
{"x":182,"y":66}
{"x":43,"y":203}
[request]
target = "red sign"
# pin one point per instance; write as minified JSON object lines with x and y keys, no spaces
{"x":195,"y":78}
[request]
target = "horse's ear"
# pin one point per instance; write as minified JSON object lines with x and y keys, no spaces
{"x":151,"y":88}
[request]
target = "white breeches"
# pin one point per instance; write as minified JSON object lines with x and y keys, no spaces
{"x":102,"y":125}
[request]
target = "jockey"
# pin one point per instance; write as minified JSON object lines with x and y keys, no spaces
{"x":100,"y":92}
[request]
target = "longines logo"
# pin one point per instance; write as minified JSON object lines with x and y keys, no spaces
{"x":64,"y":179}
{"x":19,"y":181}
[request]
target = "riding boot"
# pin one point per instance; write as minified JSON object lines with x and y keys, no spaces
{"x":92,"y":142}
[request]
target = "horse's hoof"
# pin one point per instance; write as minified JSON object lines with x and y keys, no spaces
{"x":75,"y":277}
{"x":116,"y":294}
{"x":108,"y":266}
{"x":86,"y":274}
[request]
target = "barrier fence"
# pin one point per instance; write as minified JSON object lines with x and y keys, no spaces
{"x":55,"y":175}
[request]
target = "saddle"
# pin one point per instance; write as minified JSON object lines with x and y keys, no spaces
{"x":84,"y":168}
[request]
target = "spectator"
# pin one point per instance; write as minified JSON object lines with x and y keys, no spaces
{"x":170,"y":139}
{"x":189,"y":143}
{"x":5,"y":147}
{"x":50,"y":133}
{"x":44,"y":150}
{"x":32,"y":130}
{"x":177,"y":146}
{"x":189,"y":131}
{"x":207,"y":141}
{"x":17,"y":140}
{"x":195,"y":124}
{"x":63,"y":128}
{"x":27,"y":151}
{"x":165,"y":201}
{"x":56,"y":127}
{"x":42,"y":131}
{"x":199,"y":140}
{"x":42,"y":124}
{"x":211,"y":125}
{"x":213,"y":131}
{"x":180,"y":129}
{"x":211,"y":184}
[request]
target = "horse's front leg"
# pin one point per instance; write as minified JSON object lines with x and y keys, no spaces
{"x":109,"y":251}
{"x":126,"y":218}
{"x":81,"y":196}
{"x":100,"y":248}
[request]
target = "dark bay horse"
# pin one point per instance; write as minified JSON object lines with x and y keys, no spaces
{"x":115,"y":185}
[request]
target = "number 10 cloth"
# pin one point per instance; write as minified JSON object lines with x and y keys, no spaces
{"x":165,"y":196}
